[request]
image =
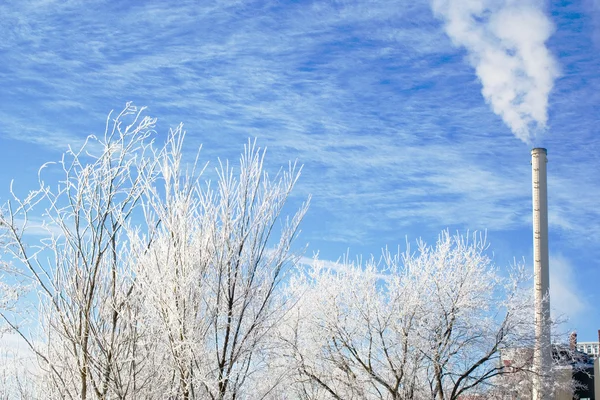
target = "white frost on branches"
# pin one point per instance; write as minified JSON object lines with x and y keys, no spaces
{"x":149,"y":283}
{"x":426,"y":324}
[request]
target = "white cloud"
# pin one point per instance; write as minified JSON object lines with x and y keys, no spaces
{"x":566,"y":296}
{"x":15,"y":346}
{"x":16,"y":362}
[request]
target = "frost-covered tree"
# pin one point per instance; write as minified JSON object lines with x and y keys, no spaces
{"x":426,"y":324}
{"x":209,"y":281}
{"x":147,"y":282}
{"x":79,"y":267}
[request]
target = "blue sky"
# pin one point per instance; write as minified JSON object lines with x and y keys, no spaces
{"x":398,"y":110}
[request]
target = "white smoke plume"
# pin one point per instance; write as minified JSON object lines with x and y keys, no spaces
{"x":505,"y":40}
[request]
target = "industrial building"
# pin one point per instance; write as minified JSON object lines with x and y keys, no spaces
{"x":568,"y":366}
{"x":589,"y":348}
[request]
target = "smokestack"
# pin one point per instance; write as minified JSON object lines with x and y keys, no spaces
{"x":542,"y":356}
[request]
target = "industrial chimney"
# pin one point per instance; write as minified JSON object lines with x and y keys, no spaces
{"x":542,"y":356}
{"x":573,"y":341}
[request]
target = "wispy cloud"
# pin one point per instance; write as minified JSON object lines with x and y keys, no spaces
{"x":385,"y":114}
{"x":593,"y":9}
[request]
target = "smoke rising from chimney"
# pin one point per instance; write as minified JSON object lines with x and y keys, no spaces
{"x":505,"y":41}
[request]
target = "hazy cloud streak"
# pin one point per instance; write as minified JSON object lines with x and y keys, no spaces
{"x":565,"y":294}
